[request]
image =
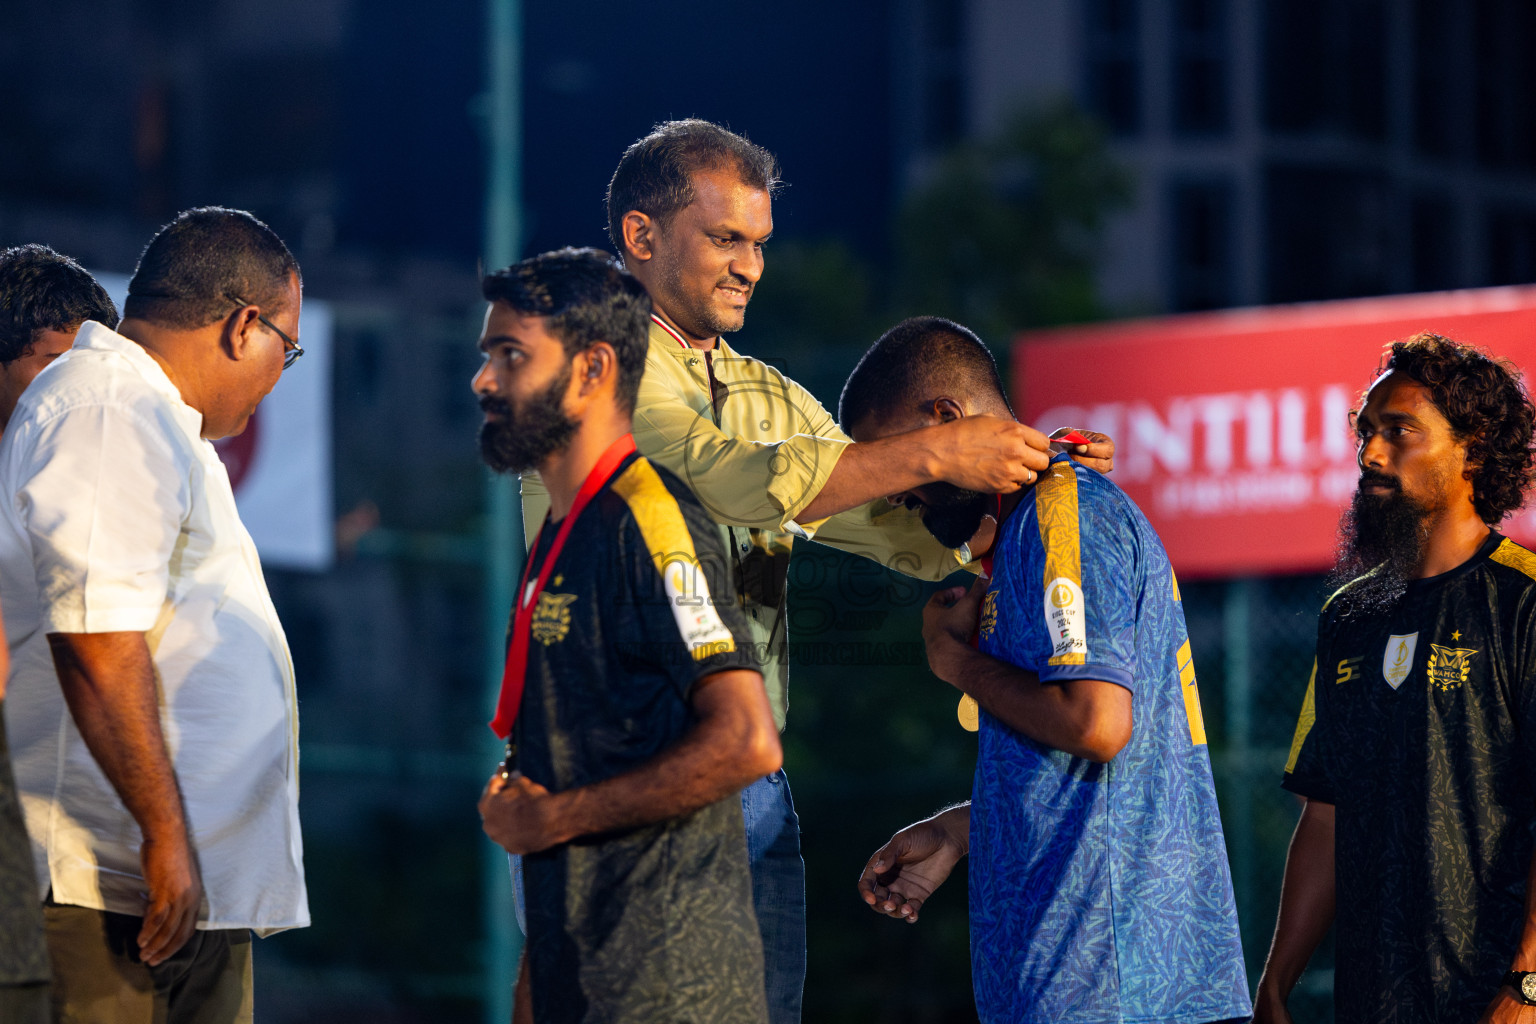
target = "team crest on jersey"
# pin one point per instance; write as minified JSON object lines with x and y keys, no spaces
{"x":552,"y":618}
{"x":1448,"y":666}
{"x":988,"y":622}
{"x":1397,"y":660}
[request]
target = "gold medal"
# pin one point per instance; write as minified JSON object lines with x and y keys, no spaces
{"x":969,"y":713}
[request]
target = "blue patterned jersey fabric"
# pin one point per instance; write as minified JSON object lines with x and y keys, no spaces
{"x":1099,"y":892}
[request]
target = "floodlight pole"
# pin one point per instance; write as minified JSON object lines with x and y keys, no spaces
{"x":503,"y":520}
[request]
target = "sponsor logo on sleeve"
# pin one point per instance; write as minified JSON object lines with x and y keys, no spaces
{"x":1065,"y":617}
{"x":699,"y":625}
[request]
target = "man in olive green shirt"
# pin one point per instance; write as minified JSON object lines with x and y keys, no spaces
{"x":690,"y":208}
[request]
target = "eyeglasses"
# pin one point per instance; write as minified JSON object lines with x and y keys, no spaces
{"x":291,"y":349}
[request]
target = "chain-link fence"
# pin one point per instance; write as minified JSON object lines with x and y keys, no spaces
{"x":1253,"y":641}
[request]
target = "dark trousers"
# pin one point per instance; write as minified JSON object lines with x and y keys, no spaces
{"x":24,"y":1004}
{"x":98,"y":977}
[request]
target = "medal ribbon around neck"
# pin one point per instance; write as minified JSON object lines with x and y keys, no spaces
{"x":513,"y":676}
{"x":969,"y":712}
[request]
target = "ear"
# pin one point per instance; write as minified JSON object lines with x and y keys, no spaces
{"x":946,"y":409}
{"x":592,"y":368}
{"x":639,"y":236}
{"x":240,"y":332}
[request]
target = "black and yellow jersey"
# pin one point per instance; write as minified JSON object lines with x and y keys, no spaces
{"x":653,"y":923}
{"x":1418,"y":726}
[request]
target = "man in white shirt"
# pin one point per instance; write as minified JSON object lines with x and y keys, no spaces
{"x":151,"y":702}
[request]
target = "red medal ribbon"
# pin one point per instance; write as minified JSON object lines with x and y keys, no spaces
{"x":514,"y":675}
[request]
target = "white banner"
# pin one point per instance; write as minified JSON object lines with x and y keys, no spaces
{"x":280,"y":465}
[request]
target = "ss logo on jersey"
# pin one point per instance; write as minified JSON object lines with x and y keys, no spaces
{"x":1349,"y":669}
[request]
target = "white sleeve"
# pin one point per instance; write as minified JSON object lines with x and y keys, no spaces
{"x":102,"y":498}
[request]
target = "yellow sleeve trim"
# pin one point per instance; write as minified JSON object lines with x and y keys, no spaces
{"x":1516,"y":557}
{"x":1304,"y":722}
{"x":1056,"y":517}
{"x":666,"y":536}
{"x":1191,"y":692}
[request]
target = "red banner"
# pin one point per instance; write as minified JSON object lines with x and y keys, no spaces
{"x":1232,"y":428}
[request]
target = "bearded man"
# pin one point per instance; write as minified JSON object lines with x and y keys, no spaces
{"x":632,"y":697}
{"x":1416,"y":747}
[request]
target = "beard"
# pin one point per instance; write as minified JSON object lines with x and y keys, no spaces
{"x":700,"y":314}
{"x":951,"y":514}
{"x":522,"y":439}
{"x":1381,"y":546}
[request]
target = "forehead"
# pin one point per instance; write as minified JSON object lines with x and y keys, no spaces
{"x":504,"y":322}
{"x":719,"y":194}
{"x":1394,"y":396}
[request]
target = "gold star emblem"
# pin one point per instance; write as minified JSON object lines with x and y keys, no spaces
{"x":1456,"y":635}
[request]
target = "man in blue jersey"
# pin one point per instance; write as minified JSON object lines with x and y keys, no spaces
{"x":1099,"y":884}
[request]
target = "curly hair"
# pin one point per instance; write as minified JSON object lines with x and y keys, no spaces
{"x":1489,"y":410}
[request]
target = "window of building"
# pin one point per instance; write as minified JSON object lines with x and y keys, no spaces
{"x":1436,"y":61}
{"x":1511,"y":246}
{"x":287,"y":100}
{"x":1112,"y":63}
{"x":1201,"y":54}
{"x":1200,"y":216}
{"x":1325,"y":66}
{"x":1328,"y":233}
{"x":1505,"y":83}
{"x":943,"y":94}
{"x":1432,"y":244}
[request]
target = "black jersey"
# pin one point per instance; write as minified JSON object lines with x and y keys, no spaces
{"x":1418,"y":727}
{"x":654,"y":923}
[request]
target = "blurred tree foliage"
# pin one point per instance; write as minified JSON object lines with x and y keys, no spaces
{"x":1004,"y":233}
{"x":1001,"y":234}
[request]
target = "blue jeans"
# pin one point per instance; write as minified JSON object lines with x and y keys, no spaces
{"x":778,"y":891}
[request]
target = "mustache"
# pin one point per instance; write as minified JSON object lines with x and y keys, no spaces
{"x":493,"y":403}
{"x":1374,"y":478}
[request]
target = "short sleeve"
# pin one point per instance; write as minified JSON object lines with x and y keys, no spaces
{"x":893,"y":536}
{"x":1074,"y":604}
{"x":676,"y":574}
{"x":102,"y":495}
{"x":759,"y":484}
{"x":1524,"y":681}
{"x":1305,"y":773}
